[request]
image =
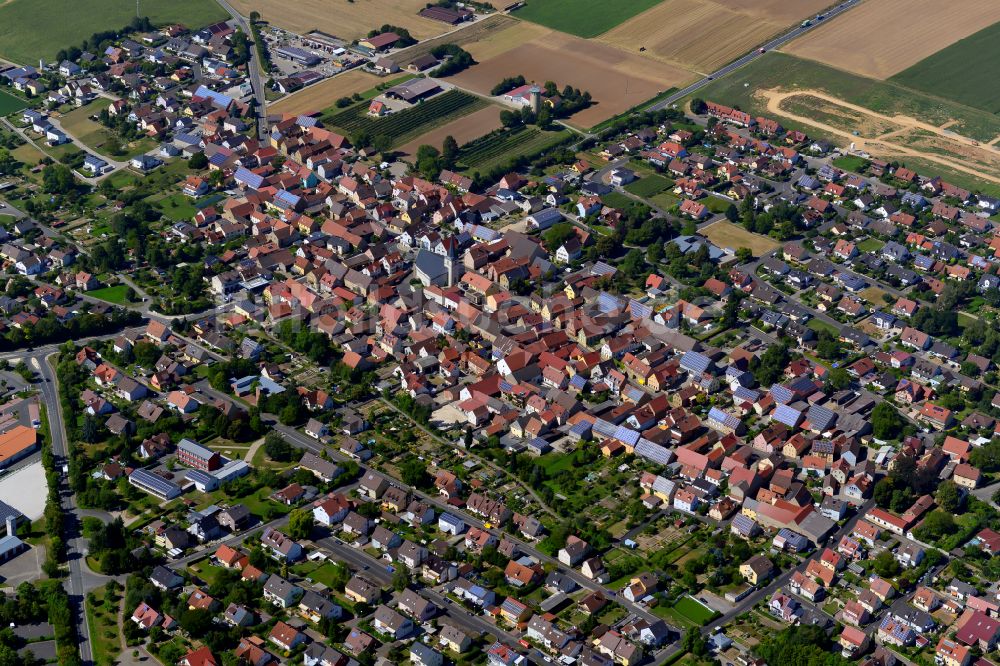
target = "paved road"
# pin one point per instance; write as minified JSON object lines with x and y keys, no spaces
{"x":253,"y":69}
{"x":81,"y":580}
{"x":775,"y":43}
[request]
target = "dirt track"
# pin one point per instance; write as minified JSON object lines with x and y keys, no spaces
{"x":883,"y":145}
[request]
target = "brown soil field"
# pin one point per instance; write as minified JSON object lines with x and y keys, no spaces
{"x":912,"y":139}
{"x":882,"y":37}
{"x":610,"y":74}
{"x":347,"y":20}
{"x":323,"y":94}
{"x":464,"y":129}
{"x":703,"y":35}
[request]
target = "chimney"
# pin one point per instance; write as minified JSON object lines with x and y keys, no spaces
{"x":11,"y":525}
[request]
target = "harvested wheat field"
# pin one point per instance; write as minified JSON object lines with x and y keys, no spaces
{"x":464,"y":129}
{"x":879,"y":38}
{"x":323,"y":94}
{"x":500,"y":32}
{"x":704,"y":35}
{"x":610,"y":74}
{"x":347,"y":20}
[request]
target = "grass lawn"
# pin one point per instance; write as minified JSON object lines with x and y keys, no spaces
{"x":870,"y":245}
{"x":27,"y":154}
{"x":555,"y":462}
{"x":585,"y":18}
{"x":649,"y":186}
{"x":177,"y":207}
{"x":819,"y":325}
{"x":33,"y":29}
{"x":11,"y":104}
{"x":874,"y":295}
{"x":968,"y":71}
{"x":116,"y":294}
{"x":205,"y":571}
{"x":851,"y":163}
{"x":665,"y":200}
{"x":96,"y":136}
{"x":717,"y":205}
{"x":324,"y":574}
{"x":694,"y":610}
{"x":728,"y":235}
{"x":616,"y":200}
{"x":105,"y":638}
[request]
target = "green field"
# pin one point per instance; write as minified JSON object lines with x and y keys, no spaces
{"x":116,"y":294}
{"x":779,"y":70}
{"x":694,"y":611}
{"x":851,"y":163}
{"x":968,"y":71}
{"x":585,"y":18}
{"x":10,"y":104}
{"x":496,"y":147}
{"x":616,"y":200}
{"x":408,"y":124}
{"x":33,"y":29}
{"x":649,"y":186}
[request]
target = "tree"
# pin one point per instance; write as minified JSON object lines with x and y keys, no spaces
{"x":198,"y":161}
{"x":300,"y":524}
{"x":558,"y":234}
{"x":949,"y":496}
{"x":885,"y":565}
{"x":938,"y":523}
{"x":413,"y":471}
{"x":58,"y":179}
{"x":449,"y":151}
{"x":744,"y":255}
{"x":838,"y":379}
{"x":277,"y":448}
{"x":698,"y":105}
{"x":886,"y":422}
{"x":400,"y":577}
{"x":382,"y":143}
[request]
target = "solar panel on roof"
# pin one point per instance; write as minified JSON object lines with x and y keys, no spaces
{"x":820,"y":417}
{"x":608,"y":303}
{"x":695,"y":362}
{"x":604,"y":428}
{"x":781,"y":394}
{"x":653,"y":452}
{"x":639,"y":310}
{"x":787,"y":415}
{"x":626,"y":435}
{"x":154,"y":482}
{"x":601,"y":268}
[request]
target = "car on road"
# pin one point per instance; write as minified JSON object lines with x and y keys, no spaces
{"x":762,"y":50}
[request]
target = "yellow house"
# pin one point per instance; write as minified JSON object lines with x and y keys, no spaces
{"x":757,"y":569}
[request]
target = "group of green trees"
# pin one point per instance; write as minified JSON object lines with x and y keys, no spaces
{"x":779,"y":222}
{"x":456,"y":59}
{"x":431,"y":162}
